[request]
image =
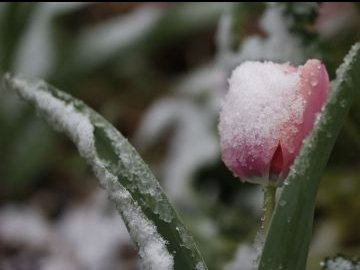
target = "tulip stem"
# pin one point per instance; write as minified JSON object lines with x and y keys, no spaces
{"x":269,"y":205}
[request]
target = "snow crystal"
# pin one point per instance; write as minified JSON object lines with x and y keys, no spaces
{"x":257,"y":105}
{"x":64,"y":116}
{"x":340,"y":263}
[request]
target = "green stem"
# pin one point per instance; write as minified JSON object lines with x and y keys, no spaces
{"x":269,"y":205}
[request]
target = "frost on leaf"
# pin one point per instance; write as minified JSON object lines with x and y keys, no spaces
{"x":72,"y":117}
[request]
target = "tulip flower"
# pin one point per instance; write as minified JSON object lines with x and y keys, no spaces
{"x":267,"y":113}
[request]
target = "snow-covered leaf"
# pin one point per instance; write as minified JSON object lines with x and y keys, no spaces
{"x":153,"y":224}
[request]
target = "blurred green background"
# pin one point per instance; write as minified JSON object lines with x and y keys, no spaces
{"x":158,"y":72}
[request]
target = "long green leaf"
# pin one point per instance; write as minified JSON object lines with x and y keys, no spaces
{"x":287,"y":242}
{"x":162,"y":239}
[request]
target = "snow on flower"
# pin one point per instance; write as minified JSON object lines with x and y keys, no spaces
{"x":268,"y":111}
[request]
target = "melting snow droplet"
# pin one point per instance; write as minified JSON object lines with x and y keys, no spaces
{"x":314,"y":82}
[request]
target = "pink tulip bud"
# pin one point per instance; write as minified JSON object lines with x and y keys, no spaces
{"x":267,"y":113}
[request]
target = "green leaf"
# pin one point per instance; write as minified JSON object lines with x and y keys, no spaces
{"x":287,"y":243}
{"x":156,"y":229}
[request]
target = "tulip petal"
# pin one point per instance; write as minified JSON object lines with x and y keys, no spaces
{"x":248,"y":168}
{"x":277,"y":163}
{"x":313,"y":87}
{"x":253,"y":114}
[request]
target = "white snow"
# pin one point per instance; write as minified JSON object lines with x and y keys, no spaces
{"x":62,"y":116}
{"x":340,"y":263}
{"x":279,"y":45}
{"x":244,"y":259}
{"x":257,"y":106}
{"x":87,"y":236}
{"x":65,"y":117}
{"x":36,"y":54}
{"x":152,"y":248}
{"x":24,"y":226}
{"x":90,"y":234}
{"x":103,"y":40}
